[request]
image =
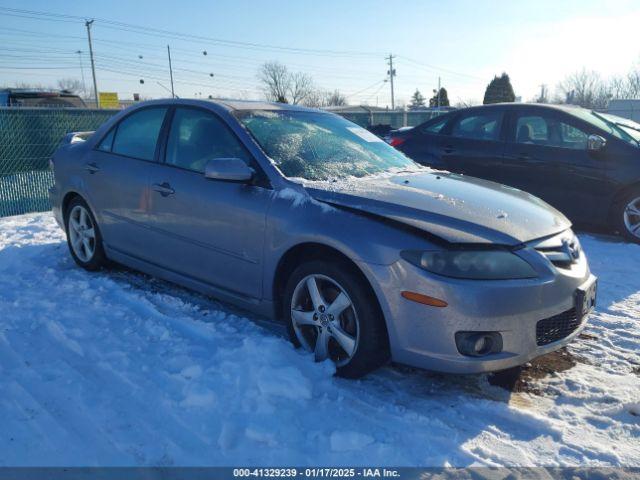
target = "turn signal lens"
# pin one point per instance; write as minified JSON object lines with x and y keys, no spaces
{"x":424,"y":299}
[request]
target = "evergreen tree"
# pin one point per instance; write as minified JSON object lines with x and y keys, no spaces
{"x":444,"y":99}
{"x":417,"y":101}
{"x":499,"y":90}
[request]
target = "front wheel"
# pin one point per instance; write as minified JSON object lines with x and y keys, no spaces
{"x":627,"y":216}
{"x":331,"y":313}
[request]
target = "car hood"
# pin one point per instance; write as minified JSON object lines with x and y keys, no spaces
{"x":456,"y":208}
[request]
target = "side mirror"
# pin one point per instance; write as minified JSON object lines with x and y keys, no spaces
{"x":595,"y":143}
{"x":228,"y":169}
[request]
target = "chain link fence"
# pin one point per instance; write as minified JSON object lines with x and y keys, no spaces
{"x":28,"y":138}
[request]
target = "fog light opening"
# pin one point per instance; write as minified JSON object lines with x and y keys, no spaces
{"x":478,"y":344}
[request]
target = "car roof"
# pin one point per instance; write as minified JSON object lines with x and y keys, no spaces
{"x":235,"y":105}
{"x":261,"y":105}
{"x":511,"y":105}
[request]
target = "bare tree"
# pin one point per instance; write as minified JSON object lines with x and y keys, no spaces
{"x":300,"y":86}
{"x":315,"y":99}
{"x":335,"y":99}
{"x":276,"y":81}
{"x":633,"y":83}
{"x":318,"y":98}
{"x":281,"y":85}
{"x":627,"y":86}
{"x":618,"y":87}
{"x":72,"y":85}
{"x":586,"y":89}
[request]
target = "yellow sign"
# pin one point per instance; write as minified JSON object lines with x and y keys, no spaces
{"x":108,"y":100}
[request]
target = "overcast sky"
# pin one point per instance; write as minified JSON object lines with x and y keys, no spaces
{"x":341,"y":44}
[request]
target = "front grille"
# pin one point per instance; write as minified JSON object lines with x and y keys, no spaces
{"x":556,"y":328}
{"x":562,"y":250}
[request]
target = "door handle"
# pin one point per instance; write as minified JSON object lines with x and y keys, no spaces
{"x":448,"y":149}
{"x":92,"y":167}
{"x":163,"y":189}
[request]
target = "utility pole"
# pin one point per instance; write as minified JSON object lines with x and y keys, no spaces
{"x":392,"y":73}
{"x":84,"y":85}
{"x":173,"y":95}
{"x":88,"y":24}
{"x":438,"y":93}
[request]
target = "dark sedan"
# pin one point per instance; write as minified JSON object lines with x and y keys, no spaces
{"x":584,"y":163}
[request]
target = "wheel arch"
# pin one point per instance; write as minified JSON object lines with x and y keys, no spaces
{"x":304,"y":252}
{"x":619,"y":196}
{"x":70,"y":195}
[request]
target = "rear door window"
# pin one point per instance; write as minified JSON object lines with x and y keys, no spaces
{"x":478,"y":126}
{"x":137,"y":135}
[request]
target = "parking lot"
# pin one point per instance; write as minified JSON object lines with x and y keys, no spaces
{"x":116,"y":368}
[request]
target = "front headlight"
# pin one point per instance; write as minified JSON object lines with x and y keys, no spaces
{"x":472,"y":264}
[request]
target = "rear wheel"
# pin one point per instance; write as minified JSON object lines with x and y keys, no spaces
{"x":627,"y":216}
{"x":83,"y":235}
{"x":331,"y":313}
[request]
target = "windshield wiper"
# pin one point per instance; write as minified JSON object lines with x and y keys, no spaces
{"x":626,"y":125}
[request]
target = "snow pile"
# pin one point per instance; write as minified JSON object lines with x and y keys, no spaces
{"x":115,"y":368}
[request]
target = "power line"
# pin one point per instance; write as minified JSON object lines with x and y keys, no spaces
{"x":433,"y":67}
{"x":233,"y":61}
{"x":366,"y":88}
{"x":168,"y":33}
{"x":317,"y":69}
{"x":374,"y":93}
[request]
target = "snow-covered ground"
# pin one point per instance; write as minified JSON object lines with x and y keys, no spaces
{"x":115,"y":368}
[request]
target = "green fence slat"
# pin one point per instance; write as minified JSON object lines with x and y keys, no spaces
{"x":28,"y":138}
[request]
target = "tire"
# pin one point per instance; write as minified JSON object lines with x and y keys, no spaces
{"x":81,"y":227}
{"x":626,"y":221}
{"x":361,"y":320}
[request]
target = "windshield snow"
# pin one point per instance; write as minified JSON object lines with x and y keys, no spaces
{"x":319,"y":146}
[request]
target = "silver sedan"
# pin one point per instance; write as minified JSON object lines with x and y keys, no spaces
{"x":302,"y":216}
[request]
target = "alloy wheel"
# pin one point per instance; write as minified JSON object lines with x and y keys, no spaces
{"x":324,"y":319}
{"x":632,"y":217}
{"x":82,"y":233}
